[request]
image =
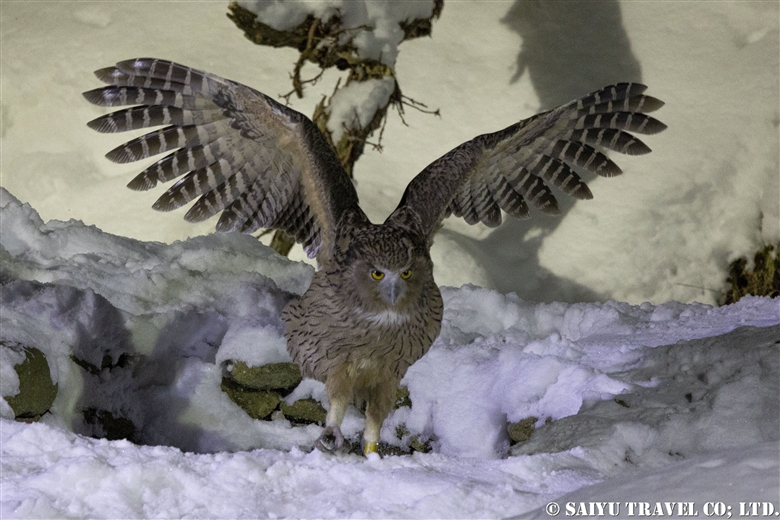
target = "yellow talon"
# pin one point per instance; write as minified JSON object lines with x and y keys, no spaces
{"x":370,"y":447}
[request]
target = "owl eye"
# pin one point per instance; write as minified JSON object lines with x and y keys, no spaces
{"x":377,"y":275}
{"x":406,"y":274}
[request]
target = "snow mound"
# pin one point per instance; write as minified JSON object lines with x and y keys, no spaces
{"x":618,"y":394}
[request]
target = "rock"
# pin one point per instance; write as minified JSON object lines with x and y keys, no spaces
{"x":36,"y":389}
{"x":416,"y":443}
{"x":113,"y":427}
{"x":402,"y":397}
{"x":386,"y":450}
{"x":521,"y":431}
{"x":304,"y":410}
{"x":82,"y":338}
{"x":276,"y":376}
{"x":258,"y":404}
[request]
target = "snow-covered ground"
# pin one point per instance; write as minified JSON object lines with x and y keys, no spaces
{"x":635,"y":402}
{"x":675,"y":402}
{"x":665,"y":230}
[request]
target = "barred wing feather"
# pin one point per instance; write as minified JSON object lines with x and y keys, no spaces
{"x":262,"y":164}
{"x":519,"y":165}
{"x":234,"y":149}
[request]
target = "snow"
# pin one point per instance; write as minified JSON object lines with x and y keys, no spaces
{"x":637,"y":397}
{"x":628,"y":399}
{"x":372,"y":28}
{"x":354,"y":105}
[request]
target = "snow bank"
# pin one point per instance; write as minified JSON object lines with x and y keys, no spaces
{"x":621,"y":392}
{"x":85,"y":344}
{"x":161,"y":305}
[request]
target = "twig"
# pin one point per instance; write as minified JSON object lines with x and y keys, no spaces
{"x":422,"y":107}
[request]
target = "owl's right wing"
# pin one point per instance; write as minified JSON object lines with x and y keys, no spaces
{"x":263,"y":165}
{"x":514,"y":167}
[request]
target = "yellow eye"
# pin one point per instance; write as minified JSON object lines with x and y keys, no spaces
{"x":377,"y":275}
{"x":406,"y":274}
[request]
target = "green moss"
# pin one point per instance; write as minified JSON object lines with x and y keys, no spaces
{"x":258,"y":404}
{"x":402,"y":397}
{"x":763,"y":279}
{"x":416,"y":443}
{"x":306,"y":411}
{"x":274,"y":376}
{"x":522,"y":430}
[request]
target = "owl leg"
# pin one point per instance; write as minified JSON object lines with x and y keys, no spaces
{"x":339,"y":394}
{"x":378,"y":406}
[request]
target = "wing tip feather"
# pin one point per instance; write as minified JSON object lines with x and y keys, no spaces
{"x":142,"y":182}
{"x":582,"y":192}
{"x":95,"y":96}
{"x":549,"y":207}
{"x":651,"y":104}
{"x":165,"y":203}
{"x":120,"y":155}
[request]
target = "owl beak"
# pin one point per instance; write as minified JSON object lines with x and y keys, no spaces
{"x":392,"y":288}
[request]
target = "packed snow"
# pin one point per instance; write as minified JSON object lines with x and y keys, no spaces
{"x":619,"y":392}
{"x":652,"y":404}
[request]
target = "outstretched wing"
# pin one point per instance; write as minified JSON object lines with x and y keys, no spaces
{"x":258,"y":162}
{"x":514,"y":167}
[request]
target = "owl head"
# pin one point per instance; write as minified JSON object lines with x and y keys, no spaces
{"x":388,"y":267}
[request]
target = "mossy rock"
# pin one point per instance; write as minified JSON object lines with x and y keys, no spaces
{"x":416,"y":443}
{"x":258,"y":404}
{"x":304,"y":411}
{"x":522,"y":430}
{"x":762,"y":280}
{"x":36,"y":389}
{"x":276,"y":376}
{"x":402,"y":397}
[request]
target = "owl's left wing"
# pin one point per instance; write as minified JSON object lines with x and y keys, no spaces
{"x":236,"y":150}
{"x":513,"y":167}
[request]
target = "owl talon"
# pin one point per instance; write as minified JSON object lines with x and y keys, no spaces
{"x":330,"y":440}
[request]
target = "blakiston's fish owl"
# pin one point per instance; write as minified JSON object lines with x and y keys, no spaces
{"x":373,"y":307}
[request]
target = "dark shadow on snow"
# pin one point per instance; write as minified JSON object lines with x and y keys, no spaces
{"x":569,"y":49}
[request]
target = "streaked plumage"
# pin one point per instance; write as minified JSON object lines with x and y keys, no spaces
{"x":373,"y":308}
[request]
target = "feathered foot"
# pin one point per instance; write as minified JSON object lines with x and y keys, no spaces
{"x":330,"y":440}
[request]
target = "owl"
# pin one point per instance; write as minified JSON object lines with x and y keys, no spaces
{"x":373,"y":307}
